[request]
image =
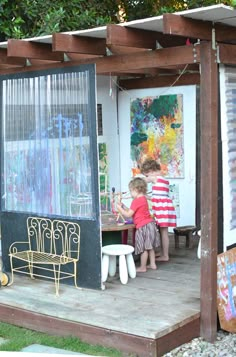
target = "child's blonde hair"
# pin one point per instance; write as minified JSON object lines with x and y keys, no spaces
{"x":138,"y":184}
{"x":150,"y":165}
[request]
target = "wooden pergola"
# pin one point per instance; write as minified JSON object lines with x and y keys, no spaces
{"x":187,"y":51}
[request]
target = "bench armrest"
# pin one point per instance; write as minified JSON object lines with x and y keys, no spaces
{"x":14,"y":247}
{"x":69,"y":253}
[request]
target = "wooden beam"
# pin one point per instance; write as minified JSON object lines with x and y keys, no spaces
{"x":79,"y":56}
{"x":173,"y":56}
{"x":123,"y":74}
{"x":38,"y":67}
{"x":30,"y":49}
{"x":5,"y":60}
{"x":130,"y":344}
{"x":161,"y":58}
{"x":140,"y":73}
{"x":119,"y":50}
{"x":130,"y":37}
{"x":9,"y":67}
{"x":78,"y":44}
{"x":182,"y":26}
{"x":36,"y":62}
{"x":160,"y":81}
{"x":227,"y":54}
{"x":209,"y":190}
{"x":177,"y":69}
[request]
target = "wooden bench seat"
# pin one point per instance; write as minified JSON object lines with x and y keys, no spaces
{"x":51,"y":245}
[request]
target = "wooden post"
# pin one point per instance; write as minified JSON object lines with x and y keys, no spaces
{"x":209,"y":189}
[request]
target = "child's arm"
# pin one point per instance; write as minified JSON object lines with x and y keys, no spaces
{"x":149,"y":195}
{"x":125,"y":212}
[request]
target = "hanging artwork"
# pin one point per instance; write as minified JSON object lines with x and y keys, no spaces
{"x":228,"y":127}
{"x":174,"y":195}
{"x":157,"y":132}
{"x":226,"y":290}
{"x":103,"y":176}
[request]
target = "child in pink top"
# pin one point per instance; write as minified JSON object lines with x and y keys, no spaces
{"x":146,"y":236}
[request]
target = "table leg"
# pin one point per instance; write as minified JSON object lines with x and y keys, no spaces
{"x":112,"y":265}
{"x":189,"y":240}
{"x":131,"y":265}
{"x":133,"y":236}
{"x":125,"y":236}
{"x":123,"y":269}
{"x":176,"y":241}
{"x":105,"y":265}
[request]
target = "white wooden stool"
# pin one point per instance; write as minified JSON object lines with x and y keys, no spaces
{"x":126,"y":261}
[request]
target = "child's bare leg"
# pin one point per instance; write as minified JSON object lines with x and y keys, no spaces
{"x":159,"y":249}
{"x":143,"y":266}
{"x":152,"y":264}
{"x":165,"y":245}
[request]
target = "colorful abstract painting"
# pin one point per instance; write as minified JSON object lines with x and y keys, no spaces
{"x":226,"y":290}
{"x":157,"y":132}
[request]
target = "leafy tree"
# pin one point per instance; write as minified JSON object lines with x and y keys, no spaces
{"x":30,"y":18}
{"x":146,"y":8}
{"x":27,"y":18}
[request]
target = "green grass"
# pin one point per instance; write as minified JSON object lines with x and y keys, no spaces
{"x":18,"y":338}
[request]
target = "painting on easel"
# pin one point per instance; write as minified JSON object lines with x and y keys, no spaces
{"x":157,"y":132}
{"x":226,"y":290}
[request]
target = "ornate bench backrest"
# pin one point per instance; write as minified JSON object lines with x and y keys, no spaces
{"x":54,"y":236}
{"x":40,"y":234}
{"x":66,"y":238}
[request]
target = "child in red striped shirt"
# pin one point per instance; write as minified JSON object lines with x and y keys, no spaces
{"x":162,"y":205}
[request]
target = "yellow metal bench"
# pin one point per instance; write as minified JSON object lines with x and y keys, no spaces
{"x":52,"y":245}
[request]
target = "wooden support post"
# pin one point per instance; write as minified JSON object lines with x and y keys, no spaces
{"x":209,"y":189}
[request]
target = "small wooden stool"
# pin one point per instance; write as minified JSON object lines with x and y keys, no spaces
{"x":186,"y":231}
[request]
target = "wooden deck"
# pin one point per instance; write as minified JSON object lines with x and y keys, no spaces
{"x":149,"y":316}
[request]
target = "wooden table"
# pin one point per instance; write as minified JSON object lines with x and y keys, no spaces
{"x":186,"y":231}
{"x":113,"y":233}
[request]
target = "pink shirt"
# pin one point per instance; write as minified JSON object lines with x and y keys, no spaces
{"x":141,"y":212}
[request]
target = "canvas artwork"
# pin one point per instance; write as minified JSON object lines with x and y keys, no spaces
{"x":103,"y":177}
{"x":226,"y":290}
{"x":174,"y":195}
{"x":157,"y":132}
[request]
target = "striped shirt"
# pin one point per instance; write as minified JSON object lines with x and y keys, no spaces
{"x":162,"y":205}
